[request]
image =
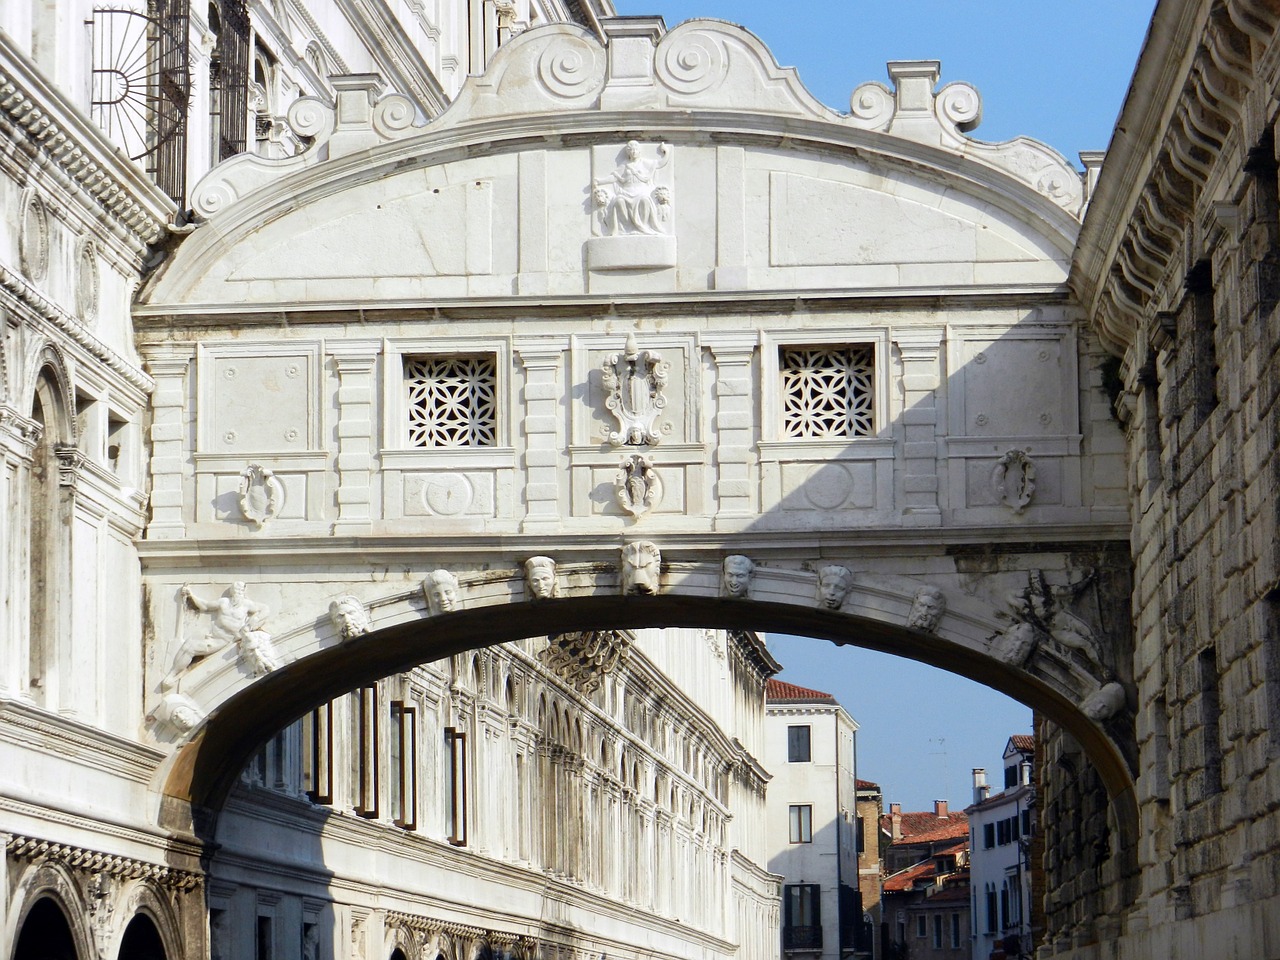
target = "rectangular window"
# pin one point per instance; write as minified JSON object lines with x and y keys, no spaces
{"x":798,"y":746}
{"x":801,"y":823}
{"x":988,"y":835}
{"x":404,"y":765}
{"x":1004,"y":906}
{"x":1010,"y":777}
{"x":1026,"y":823}
{"x":828,"y":391}
{"x":452,"y":401}
{"x":993,"y":916}
{"x":317,"y":742}
{"x":455,"y":781}
{"x":265,"y":941}
{"x":802,"y":917}
{"x":860,"y":836}
{"x":955,"y":931}
{"x":367,"y":753}
{"x":937,"y":931}
{"x":922,"y":926}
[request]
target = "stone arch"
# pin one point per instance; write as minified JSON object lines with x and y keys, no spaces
{"x":50,"y":899}
{"x":141,"y":940}
{"x":49,"y":384}
{"x":873,"y":616}
{"x":154,"y":910}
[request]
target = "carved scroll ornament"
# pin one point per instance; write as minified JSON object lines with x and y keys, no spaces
{"x":633,"y":381}
{"x":637,"y":485}
{"x":261,"y":494}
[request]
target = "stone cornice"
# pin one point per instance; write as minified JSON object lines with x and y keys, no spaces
{"x":93,"y":861}
{"x":28,"y":726}
{"x":1195,"y":105}
{"x":13,"y":284}
{"x":69,"y":139}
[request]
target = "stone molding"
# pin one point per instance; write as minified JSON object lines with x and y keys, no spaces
{"x":76,"y":146}
{"x":563,"y":74}
{"x":1154,"y":210}
{"x":13,"y":284}
{"x":93,"y":861}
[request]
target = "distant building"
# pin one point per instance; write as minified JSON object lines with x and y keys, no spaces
{"x":829,"y":904}
{"x":909,"y":838}
{"x":1002,"y":828}
{"x":926,"y":906}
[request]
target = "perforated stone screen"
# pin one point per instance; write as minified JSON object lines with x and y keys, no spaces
{"x":452,"y":401}
{"x":827,"y":391}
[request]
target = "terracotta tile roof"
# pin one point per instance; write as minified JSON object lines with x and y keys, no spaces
{"x":867,"y":785}
{"x":906,"y":879}
{"x":927,"y":827}
{"x":957,"y":889}
{"x":779,"y":691}
{"x":1024,"y":742}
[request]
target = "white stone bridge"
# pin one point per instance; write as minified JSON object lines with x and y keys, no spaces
{"x":635,"y":307}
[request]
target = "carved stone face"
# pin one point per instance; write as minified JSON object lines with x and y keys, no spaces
{"x":349,"y":617}
{"x":1105,"y":703}
{"x":641,"y":566}
{"x":237,"y":591}
{"x":927,"y":609}
{"x":441,"y":588}
{"x":601,"y":197}
{"x":540,"y":575}
{"x":834,"y":584}
{"x":633,"y":149}
{"x":1015,"y":644}
{"x":736,"y":575}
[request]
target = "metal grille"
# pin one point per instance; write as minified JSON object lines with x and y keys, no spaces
{"x":827,"y":392}
{"x":140,"y":86}
{"x":229,"y":78}
{"x":452,"y":401}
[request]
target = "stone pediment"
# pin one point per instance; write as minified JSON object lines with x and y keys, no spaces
{"x":537,"y":181}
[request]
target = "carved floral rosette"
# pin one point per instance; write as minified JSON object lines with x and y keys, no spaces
{"x":633,"y":381}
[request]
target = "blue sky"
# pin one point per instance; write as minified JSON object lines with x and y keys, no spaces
{"x":1056,"y":72}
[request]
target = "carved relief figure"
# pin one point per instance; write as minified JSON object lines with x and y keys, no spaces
{"x":1105,"y":703}
{"x":629,"y":200}
{"x":349,"y":617}
{"x":633,"y":382}
{"x":441,"y":590}
{"x":834,"y":584}
{"x":261,"y":494}
{"x":735,"y":576}
{"x":637,"y":486}
{"x":1013,"y":480}
{"x":927,"y":609}
{"x":179,"y":713}
{"x":1039,"y":613}
{"x":540,"y":577}
{"x":233,"y":618}
{"x":641,"y":566}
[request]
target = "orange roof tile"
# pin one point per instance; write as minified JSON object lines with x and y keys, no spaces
{"x":1024,"y":742}
{"x":778,"y":691}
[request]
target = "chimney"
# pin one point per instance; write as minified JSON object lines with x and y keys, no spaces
{"x":940,"y":809}
{"x":980,"y":789}
{"x":1024,"y":774}
{"x":895,"y":819}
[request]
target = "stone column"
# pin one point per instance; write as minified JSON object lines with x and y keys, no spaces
{"x":18,"y":438}
{"x":921,"y":423}
{"x":169,"y":453}
{"x":737,"y":484}
{"x":355,"y":361}
{"x":544,"y":430}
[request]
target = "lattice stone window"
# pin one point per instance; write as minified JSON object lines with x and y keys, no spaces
{"x":452,"y":401}
{"x":827,"y":391}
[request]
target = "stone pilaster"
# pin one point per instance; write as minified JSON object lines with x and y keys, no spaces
{"x":921,"y":420}
{"x":355,"y":361}
{"x":737,"y":486}
{"x":169,"y":453}
{"x":543,"y":428}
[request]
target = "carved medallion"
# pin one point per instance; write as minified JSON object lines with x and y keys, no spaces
{"x":1013,"y":480}
{"x":261,"y":494}
{"x":637,"y":486}
{"x":33,"y":236}
{"x":633,"y":381}
{"x":87,"y":281}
